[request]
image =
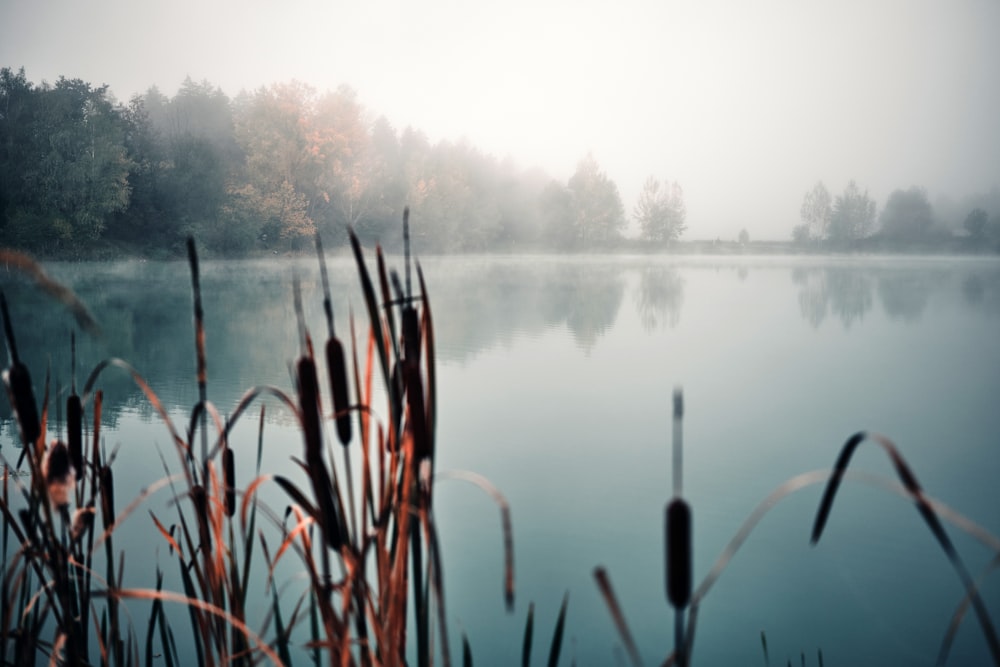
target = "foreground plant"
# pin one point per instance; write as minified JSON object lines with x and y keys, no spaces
{"x":372,"y":559}
{"x":677,"y":559}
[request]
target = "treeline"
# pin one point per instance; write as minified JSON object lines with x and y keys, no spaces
{"x":908,"y":221}
{"x":84,"y":175}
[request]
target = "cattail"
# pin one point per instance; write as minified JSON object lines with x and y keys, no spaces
{"x":335,"y":366}
{"x":415,"y":413}
{"x":309,"y":405}
{"x":107,"y":484}
{"x":58,"y":474}
{"x":200,"y":500}
{"x":83,"y":519}
{"x":337,"y":370}
{"x":322,"y":487}
{"x":74,"y":417}
{"x":411,"y":334}
{"x":678,"y":532}
{"x":74,"y":428}
{"x":229,"y":478}
{"x":18,"y":382}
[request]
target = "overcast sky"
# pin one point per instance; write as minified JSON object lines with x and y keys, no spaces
{"x":746,"y":104}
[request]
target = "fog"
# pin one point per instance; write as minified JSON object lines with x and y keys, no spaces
{"x":745,"y":105}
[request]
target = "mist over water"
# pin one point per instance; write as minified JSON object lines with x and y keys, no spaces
{"x":555,"y":377}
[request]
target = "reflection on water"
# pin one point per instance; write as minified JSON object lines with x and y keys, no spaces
{"x":145,"y":309}
{"x":555,"y":376}
{"x":660,"y":295}
{"x":843,"y":292}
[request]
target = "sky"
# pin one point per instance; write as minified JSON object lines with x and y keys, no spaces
{"x":745,"y":104}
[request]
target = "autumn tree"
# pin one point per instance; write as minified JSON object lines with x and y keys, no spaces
{"x":660,"y":211}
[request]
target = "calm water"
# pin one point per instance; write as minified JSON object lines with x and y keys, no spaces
{"x":555,"y":381}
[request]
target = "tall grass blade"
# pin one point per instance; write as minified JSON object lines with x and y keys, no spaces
{"x":959,"y":615}
{"x":930,"y":517}
{"x":529,"y":633}
{"x":557,"y":635}
{"x":33,"y":270}
{"x":374,"y":315}
{"x":505,"y":522}
{"x":604,"y":584}
{"x":466,"y":652}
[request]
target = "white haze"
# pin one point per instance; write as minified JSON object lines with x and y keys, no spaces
{"x":746,"y":104}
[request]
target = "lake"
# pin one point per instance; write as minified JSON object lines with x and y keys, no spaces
{"x":555,"y":381}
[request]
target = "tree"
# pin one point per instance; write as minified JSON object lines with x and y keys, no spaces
{"x":660,"y":211}
{"x":65,"y":145}
{"x":975,"y":223}
{"x":744,"y":237}
{"x":853,"y":215}
{"x":597,"y":210}
{"x":815,"y":214}
{"x":907,"y":214}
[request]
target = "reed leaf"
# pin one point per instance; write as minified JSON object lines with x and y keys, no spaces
{"x":466,"y":652}
{"x":13,"y":259}
{"x":557,"y":635}
{"x":374,"y":316}
{"x":529,"y":633}
{"x":608,"y":593}
{"x":508,"y":533}
{"x":930,"y":517}
{"x":193,"y":602}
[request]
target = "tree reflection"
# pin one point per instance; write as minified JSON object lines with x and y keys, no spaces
{"x":904,"y":296}
{"x":840,"y":291}
{"x":587,"y":298}
{"x":981,"y":290}
{"x":659,"y":297}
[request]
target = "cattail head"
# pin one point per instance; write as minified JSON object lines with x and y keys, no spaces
{"x":337,"y":370}
{"x":415,"y":412}
{"x":107,"y":485}
{"x":59,"y":474}
{"x":74,"y":432}
{"x":678,"y":547}
{"x":411,"y":334}
{"x":83,"y":519}
{"x":200,"y":500}
{"x":229,"y":479}
{"x":309,"y":405}
{"x":22,"y":399}
{"x":18,"y":383}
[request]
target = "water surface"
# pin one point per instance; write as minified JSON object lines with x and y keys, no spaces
{"x":555,"y":381}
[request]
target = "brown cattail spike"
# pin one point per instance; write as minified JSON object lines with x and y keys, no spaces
{"x":309,"y":405}
{"x":411,"y":334}
{"x":74,"y":432}
{"x":678,"y":543}
{"x":337,"y":370}
{"x":416,"y":411}
{"x":229,"y":478}
{"x":59,"y":477}
{"x":200,"y":500}
{"x":74,"y":416}
{"x":18,"y":382}
{"x":320,"y":478}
